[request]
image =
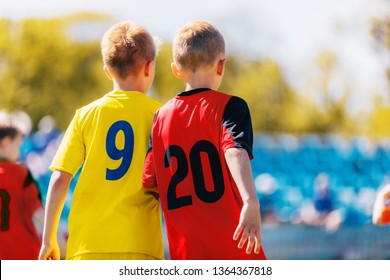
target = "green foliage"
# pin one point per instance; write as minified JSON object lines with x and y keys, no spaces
{"x":46,"y":73}
{"x":165,"y":85}
{"x":378,"y":122}
{"x":273,"y":104}
{"x":276,"y":107}
{"x":331,"y":114}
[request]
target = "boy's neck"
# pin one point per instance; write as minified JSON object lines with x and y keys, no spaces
{"x":195,"y":82}
{"x":129,"y":84}
{"x":126,"y":87}
{"x":202,"y":78}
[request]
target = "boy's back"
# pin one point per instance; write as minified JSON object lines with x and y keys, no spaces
{"x":111,"y":216}
{"x":108,"y":201}
{"x":193,"y":180}
{"x":199,"y":157}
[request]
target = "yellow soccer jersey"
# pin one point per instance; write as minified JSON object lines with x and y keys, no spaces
{"x":110,"y":211}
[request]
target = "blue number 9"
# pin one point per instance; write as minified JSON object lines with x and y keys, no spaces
{"x":126,"y":154}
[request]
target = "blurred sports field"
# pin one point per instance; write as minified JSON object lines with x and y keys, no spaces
{"x":316,"y":192}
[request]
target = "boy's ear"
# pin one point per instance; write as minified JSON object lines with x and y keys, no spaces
{"x":107,"y":72}
{"x":176,"y":71}
{"x":148,"y":68}
{"x":221,"y":66}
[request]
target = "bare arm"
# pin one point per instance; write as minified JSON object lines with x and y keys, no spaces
{"x":249,"y":226}
{"x":39,"y":217}
{"x":58,"y":189}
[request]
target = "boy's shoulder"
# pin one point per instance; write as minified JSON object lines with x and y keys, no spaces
{"x":144,"y":105}
{"x":16,"y":169}
{"x":212,"y":95}
{"x":92,"y":105}
{"x":234,"y":102}
{"x":104,"y":100}
{"x":17,"y":173}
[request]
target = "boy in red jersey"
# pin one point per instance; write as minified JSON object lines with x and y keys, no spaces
{"x":381,"y":211}
{"x":199,"y":157}
{"x":20,"y":201}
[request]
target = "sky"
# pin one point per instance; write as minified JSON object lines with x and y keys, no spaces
{"x":292,"y":32}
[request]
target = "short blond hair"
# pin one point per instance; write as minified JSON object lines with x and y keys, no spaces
{"x":126,"y":46}
{"x":197,"y":44}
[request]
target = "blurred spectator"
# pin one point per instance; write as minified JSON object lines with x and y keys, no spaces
{"x":321,"y":210}
{"x":323,"y":199}
{"x":47,"y":132}
{"x":37,"y":158}
{"x":20,"y":199}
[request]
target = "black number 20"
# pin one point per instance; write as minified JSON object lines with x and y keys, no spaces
{"x":181,"y":173}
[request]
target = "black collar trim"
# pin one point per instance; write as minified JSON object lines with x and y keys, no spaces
{"x":193,"y":91}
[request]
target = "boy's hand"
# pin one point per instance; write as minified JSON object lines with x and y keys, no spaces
{"x":249,"y":227}
{"x":49,"y":252}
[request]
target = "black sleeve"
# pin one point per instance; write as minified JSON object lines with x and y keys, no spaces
{"x":237,"y":120}
{"x":31,"y":181}
{"x":149,"y":147}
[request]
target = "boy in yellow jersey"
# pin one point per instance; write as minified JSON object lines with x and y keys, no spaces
{"x":112,"y":216}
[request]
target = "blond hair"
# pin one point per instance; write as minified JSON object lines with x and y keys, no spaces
{"x":197,"y":44}
{"x":126,"y":46}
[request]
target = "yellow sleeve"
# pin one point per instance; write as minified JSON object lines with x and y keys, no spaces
{"x":71,"y":152}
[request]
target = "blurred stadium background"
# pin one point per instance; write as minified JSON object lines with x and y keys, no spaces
{"x":322,"y":134}
{"x":316,"y":192}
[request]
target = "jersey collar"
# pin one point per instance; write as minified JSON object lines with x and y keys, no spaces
{"x":193,"y":91}
{"x":123,"y":93}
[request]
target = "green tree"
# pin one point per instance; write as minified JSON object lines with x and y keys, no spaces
{"x":165,"y":85}
{"x":46,"y":72}
{"x":331,"y":114}
{"x":274,"y":105}
{"x":378,"y":121}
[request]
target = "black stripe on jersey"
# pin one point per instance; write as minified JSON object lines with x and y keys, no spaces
{"x":149,"y":148}
{"x":30,"y":180}
{"x":193,"y":91}
{"x":237,"y":120}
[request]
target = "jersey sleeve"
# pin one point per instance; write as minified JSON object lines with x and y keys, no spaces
{"x":31,"y":194}
{"x":149,"y":174}
{"x":71,"y":152}
{"x":237,"y":129}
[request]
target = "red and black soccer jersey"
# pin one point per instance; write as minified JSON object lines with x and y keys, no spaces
{"x":19,"y":199}
{"x":200,"y":201}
